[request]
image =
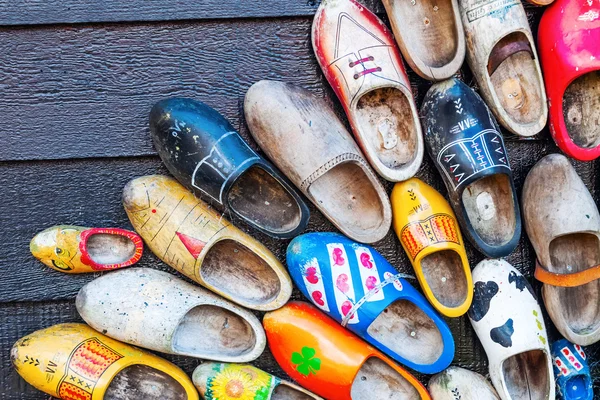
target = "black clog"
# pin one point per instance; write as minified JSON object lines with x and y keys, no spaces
{"x":466,"y":145}
{"x":208,"y":156}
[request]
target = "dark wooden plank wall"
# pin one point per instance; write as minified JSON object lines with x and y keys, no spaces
{"x":78,"y":79}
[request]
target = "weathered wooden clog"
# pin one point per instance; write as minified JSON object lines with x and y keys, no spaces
{"x":331,"y":361}
{"x":194,"y":239}
{"x":466,"y":145}
{"x":430,"y":35}
{"x":363,"y":65}
{"x":155,"y":310}
{"x":216,"y":381}
{"x":568,"y":39}
{"x":509,"y":323}
{"x":572,"y":373}
{"x":73,"y":361}
{"x":206,"y":154}
{"x":306,"y":140}
{"x":563,"y":224}
{"x":461,"y":384}
{"x":358,"y":288}
{"x":501,"y":54}
{"x":75,"y":249}
{"x":429,"y":234}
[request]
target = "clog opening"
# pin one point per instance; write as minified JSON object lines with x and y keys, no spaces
{"x":446,"y":277}
{"x":285,"y":392}
{"x":261,"y":199}
{"x":526,"y":376}
{"x":490,"y":209}
{"x":346,"y":191}
{"x":107,"y":249}
{"x":576,"y":388}
{"x":377,"y":380}
{"x":210,"y":332}
{"x":580,"y":306}
{"x":232,"y":268}
{"x":429,"y":30}
{"x":386,"y":120}
{"x":407,"y":331}
{"x":515,"y":78}
{"x":581,"y":110}
{"x":143,"y":382}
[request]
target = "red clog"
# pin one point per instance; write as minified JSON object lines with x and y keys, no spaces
{"x":569,"y":47}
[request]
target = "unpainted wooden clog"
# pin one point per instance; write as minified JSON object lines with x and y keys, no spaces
{"x":331,"y":361}
{"x":572,"y":372}
{"x":501,"y":53}
{"x":302,"y":135}
{"x":461,"y":384}
{"x":74,"y":362}
{"x":208,"y":156}
{"x":428,"y":231}
{"x":508,"y":321}
{"x":466,"y":145}
{"x":430,"y":34}
{"x":563,"y":225}
{"x":568,"y":38}
{"x":217,"y":381}
{"x":75,"y":249}
{"x":362,"y":63}
{"x":155,"y":310}
{"x":200,"y":243}
{"x":357,"y":287}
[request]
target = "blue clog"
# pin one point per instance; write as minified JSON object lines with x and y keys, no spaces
{"x":573,"y":380}
{"x":357,"y":287}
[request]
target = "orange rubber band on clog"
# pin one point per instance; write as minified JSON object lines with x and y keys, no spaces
{"x":566,"y":280}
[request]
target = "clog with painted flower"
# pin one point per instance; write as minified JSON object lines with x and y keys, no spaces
{"x":73,"y":361}
{"x":572,"y":372}
{"x":429,"y":233}
{"x":75,"y":249}
{"x":193,"y":238}
{"x":218,"y":381}
{"x":331,"y":361}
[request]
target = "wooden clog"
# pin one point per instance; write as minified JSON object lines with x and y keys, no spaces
{"x":73,"y":361}
{"x":216,"y":381}
{"x":155,"y":310}
{"x":430,"y":35}
{"x":509,"y":323}
{"x":358,"y":288}
{"x":467,"y":147}
{"x":568,"y":38}
{"x":429,"y":234}
{"x":194,"y":239}
{"x":332,"y":362}
{"x":563,"y":224}
{"x":206,"y":154}
{"x":75,"y":249}
{"x":362,"y":63}
{"x":461,"y":384}
{"x":501,"y":54}
{"x":302,"y":135}
{"x":572,"y":372}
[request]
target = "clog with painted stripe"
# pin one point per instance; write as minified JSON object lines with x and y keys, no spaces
{"x":357,"y":287}
{"x":573,"y":380}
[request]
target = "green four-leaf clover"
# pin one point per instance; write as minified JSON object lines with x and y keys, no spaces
{"x":306,"y":363}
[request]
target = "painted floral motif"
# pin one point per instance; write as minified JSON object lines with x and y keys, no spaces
{"x":306,"y":363}
{"x":239,"y":382}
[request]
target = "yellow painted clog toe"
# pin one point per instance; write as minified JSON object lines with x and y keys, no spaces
{"x":74,"y":362}
{"x":429,"y":233}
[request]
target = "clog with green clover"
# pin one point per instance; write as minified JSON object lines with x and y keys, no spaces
{"x":332,"y":362}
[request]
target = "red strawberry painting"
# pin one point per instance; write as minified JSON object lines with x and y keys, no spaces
{"x":365,"y":260}
{"x":311,"y":275}
{"x":346,"y":307}
{"x":342,"y":283}
{"x":318,"y":298}
{"x":371,"y":282}
{"x":337,"y":255}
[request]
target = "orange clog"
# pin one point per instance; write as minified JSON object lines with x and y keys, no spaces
{"x":332,"y":362}
{"x":427,"y":228}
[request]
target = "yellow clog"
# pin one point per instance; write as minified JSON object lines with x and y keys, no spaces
{"x":74,"y":362}
{"x":429,"y":233}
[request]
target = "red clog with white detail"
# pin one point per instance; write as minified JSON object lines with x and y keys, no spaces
{"x":569,"y":47}
{"x":360,"y":59}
